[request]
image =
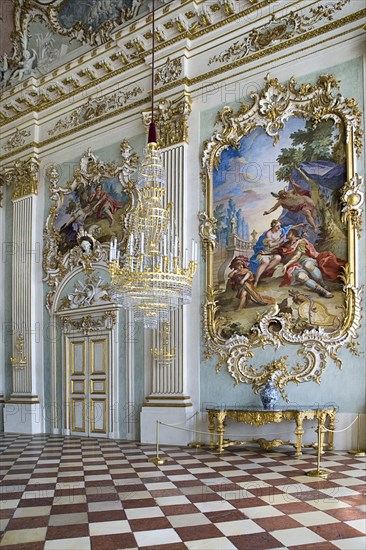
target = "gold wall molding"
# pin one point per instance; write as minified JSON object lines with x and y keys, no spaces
{"x":38,"y":98}
{"x":186,"y":83}
{"x":94,"y":108}
{"x":17,"y":139}
{"x":281,"y":29}
{"x":171,"y":119}
{"x":270,"y":109}
{"x":104,"y":63}
{"x":297,"y":40}
{"x":169,"y":71}
{"x":353,"y":196}
{"x":19,"y":360}
{"x":173,"y":24}
{"x":89,"y":323}
{"x":22,"y":176}
{"x":207,"y":230}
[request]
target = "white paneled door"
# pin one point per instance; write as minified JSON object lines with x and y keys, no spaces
{"x":87,"y":384}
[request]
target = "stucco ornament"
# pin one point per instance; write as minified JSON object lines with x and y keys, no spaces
{"x":83,"y":198}
{"x":169,"y":72}
{"x":304,"y":320}
{"x":277,"y":30}
{"x":92,"y":291}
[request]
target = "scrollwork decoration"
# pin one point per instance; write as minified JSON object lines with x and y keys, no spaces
{"x":171,"y":119}
{"x":276,"y":30}
{"x":317,"y":334}
{"x":353,"y":198}
{"x":87,"y":293}
{"x":58,"y":261}
{"x":207,"y":230}
{"x":90,"y":323}
{"x":169,"y":72}
{"x":94,"y":108}
{"x":17,"y":139}
{"x":22,"y":176}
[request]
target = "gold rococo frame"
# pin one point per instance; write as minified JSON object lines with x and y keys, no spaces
{"x":91,"y":171}
{"x":270,"y":109}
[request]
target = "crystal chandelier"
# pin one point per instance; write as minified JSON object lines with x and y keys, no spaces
{"x":151,"y":277}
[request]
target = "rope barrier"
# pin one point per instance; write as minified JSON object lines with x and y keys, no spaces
{"x":255,"y":435}
{"x":342,"y":430}
{"x":185,"y":421}
{"x":321,"y":429}
{"x":210,"y":433}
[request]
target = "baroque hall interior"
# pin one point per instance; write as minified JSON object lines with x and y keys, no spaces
{"x":182,"y":230}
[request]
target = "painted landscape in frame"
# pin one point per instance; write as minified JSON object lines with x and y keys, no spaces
{"x":279,"y":234}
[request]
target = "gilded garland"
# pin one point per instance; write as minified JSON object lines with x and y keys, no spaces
{"x":283,"y":213}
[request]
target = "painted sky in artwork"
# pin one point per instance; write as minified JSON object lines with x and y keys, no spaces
{"x":248,"y":175}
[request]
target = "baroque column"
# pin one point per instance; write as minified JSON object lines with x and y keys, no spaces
{"x":22,"y":407}
{"x":167,"y":398}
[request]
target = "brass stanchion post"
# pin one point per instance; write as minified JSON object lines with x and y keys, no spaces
{"x":358,"y":451}
{"x":196,"y":444}
{"x":157,"y":460}
{"x":319,"y":472}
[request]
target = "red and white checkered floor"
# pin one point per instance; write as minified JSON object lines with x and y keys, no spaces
{"x":77,"y":493}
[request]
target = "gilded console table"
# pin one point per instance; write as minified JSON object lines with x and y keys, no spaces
{"x":257,"y":416}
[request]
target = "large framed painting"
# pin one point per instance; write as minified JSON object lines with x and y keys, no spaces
{"x":283,"y":213}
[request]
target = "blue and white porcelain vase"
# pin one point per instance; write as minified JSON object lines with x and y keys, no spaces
{"x":269,"y":395}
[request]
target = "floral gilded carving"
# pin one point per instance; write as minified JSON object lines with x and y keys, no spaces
{"x":171,"y":119}
{"x":266,"y":281}
{"x":168,"y":72}
{"x":277,"y":30}
{"x":90,"y":323}
{"x":17,"y":139}
{"x":22,"y":176}
{"x":91,"y":209}
{"x":94,"y":108}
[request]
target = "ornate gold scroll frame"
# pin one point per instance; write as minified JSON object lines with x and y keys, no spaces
{"x":270,"y":110}
{"x":91,"y":171}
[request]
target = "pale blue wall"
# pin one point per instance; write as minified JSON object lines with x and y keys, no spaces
{"x":347,"y":387}
{"x":106,"y":154}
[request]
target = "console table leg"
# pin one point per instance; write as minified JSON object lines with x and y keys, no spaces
{"x":298,"y":432}
{"x":332,"y":415}
{"x":220,"y":430}
{"x":211,"y":429}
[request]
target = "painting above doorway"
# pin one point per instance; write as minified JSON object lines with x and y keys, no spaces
{"x":97,"y":208}
{"x":92,"y":207}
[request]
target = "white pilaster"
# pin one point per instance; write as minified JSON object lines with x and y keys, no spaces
{"x":168,"y":400}
{"x":22,"y":410}
{"x":2,"y":312}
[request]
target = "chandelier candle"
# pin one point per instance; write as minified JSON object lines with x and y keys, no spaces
{"x":149,"y":276}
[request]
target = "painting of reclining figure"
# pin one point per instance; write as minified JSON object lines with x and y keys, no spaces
{"x":279,"y":232}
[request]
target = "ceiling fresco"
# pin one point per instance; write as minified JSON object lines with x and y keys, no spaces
{"x":93,"y":13}
{"x":45,"y":32}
